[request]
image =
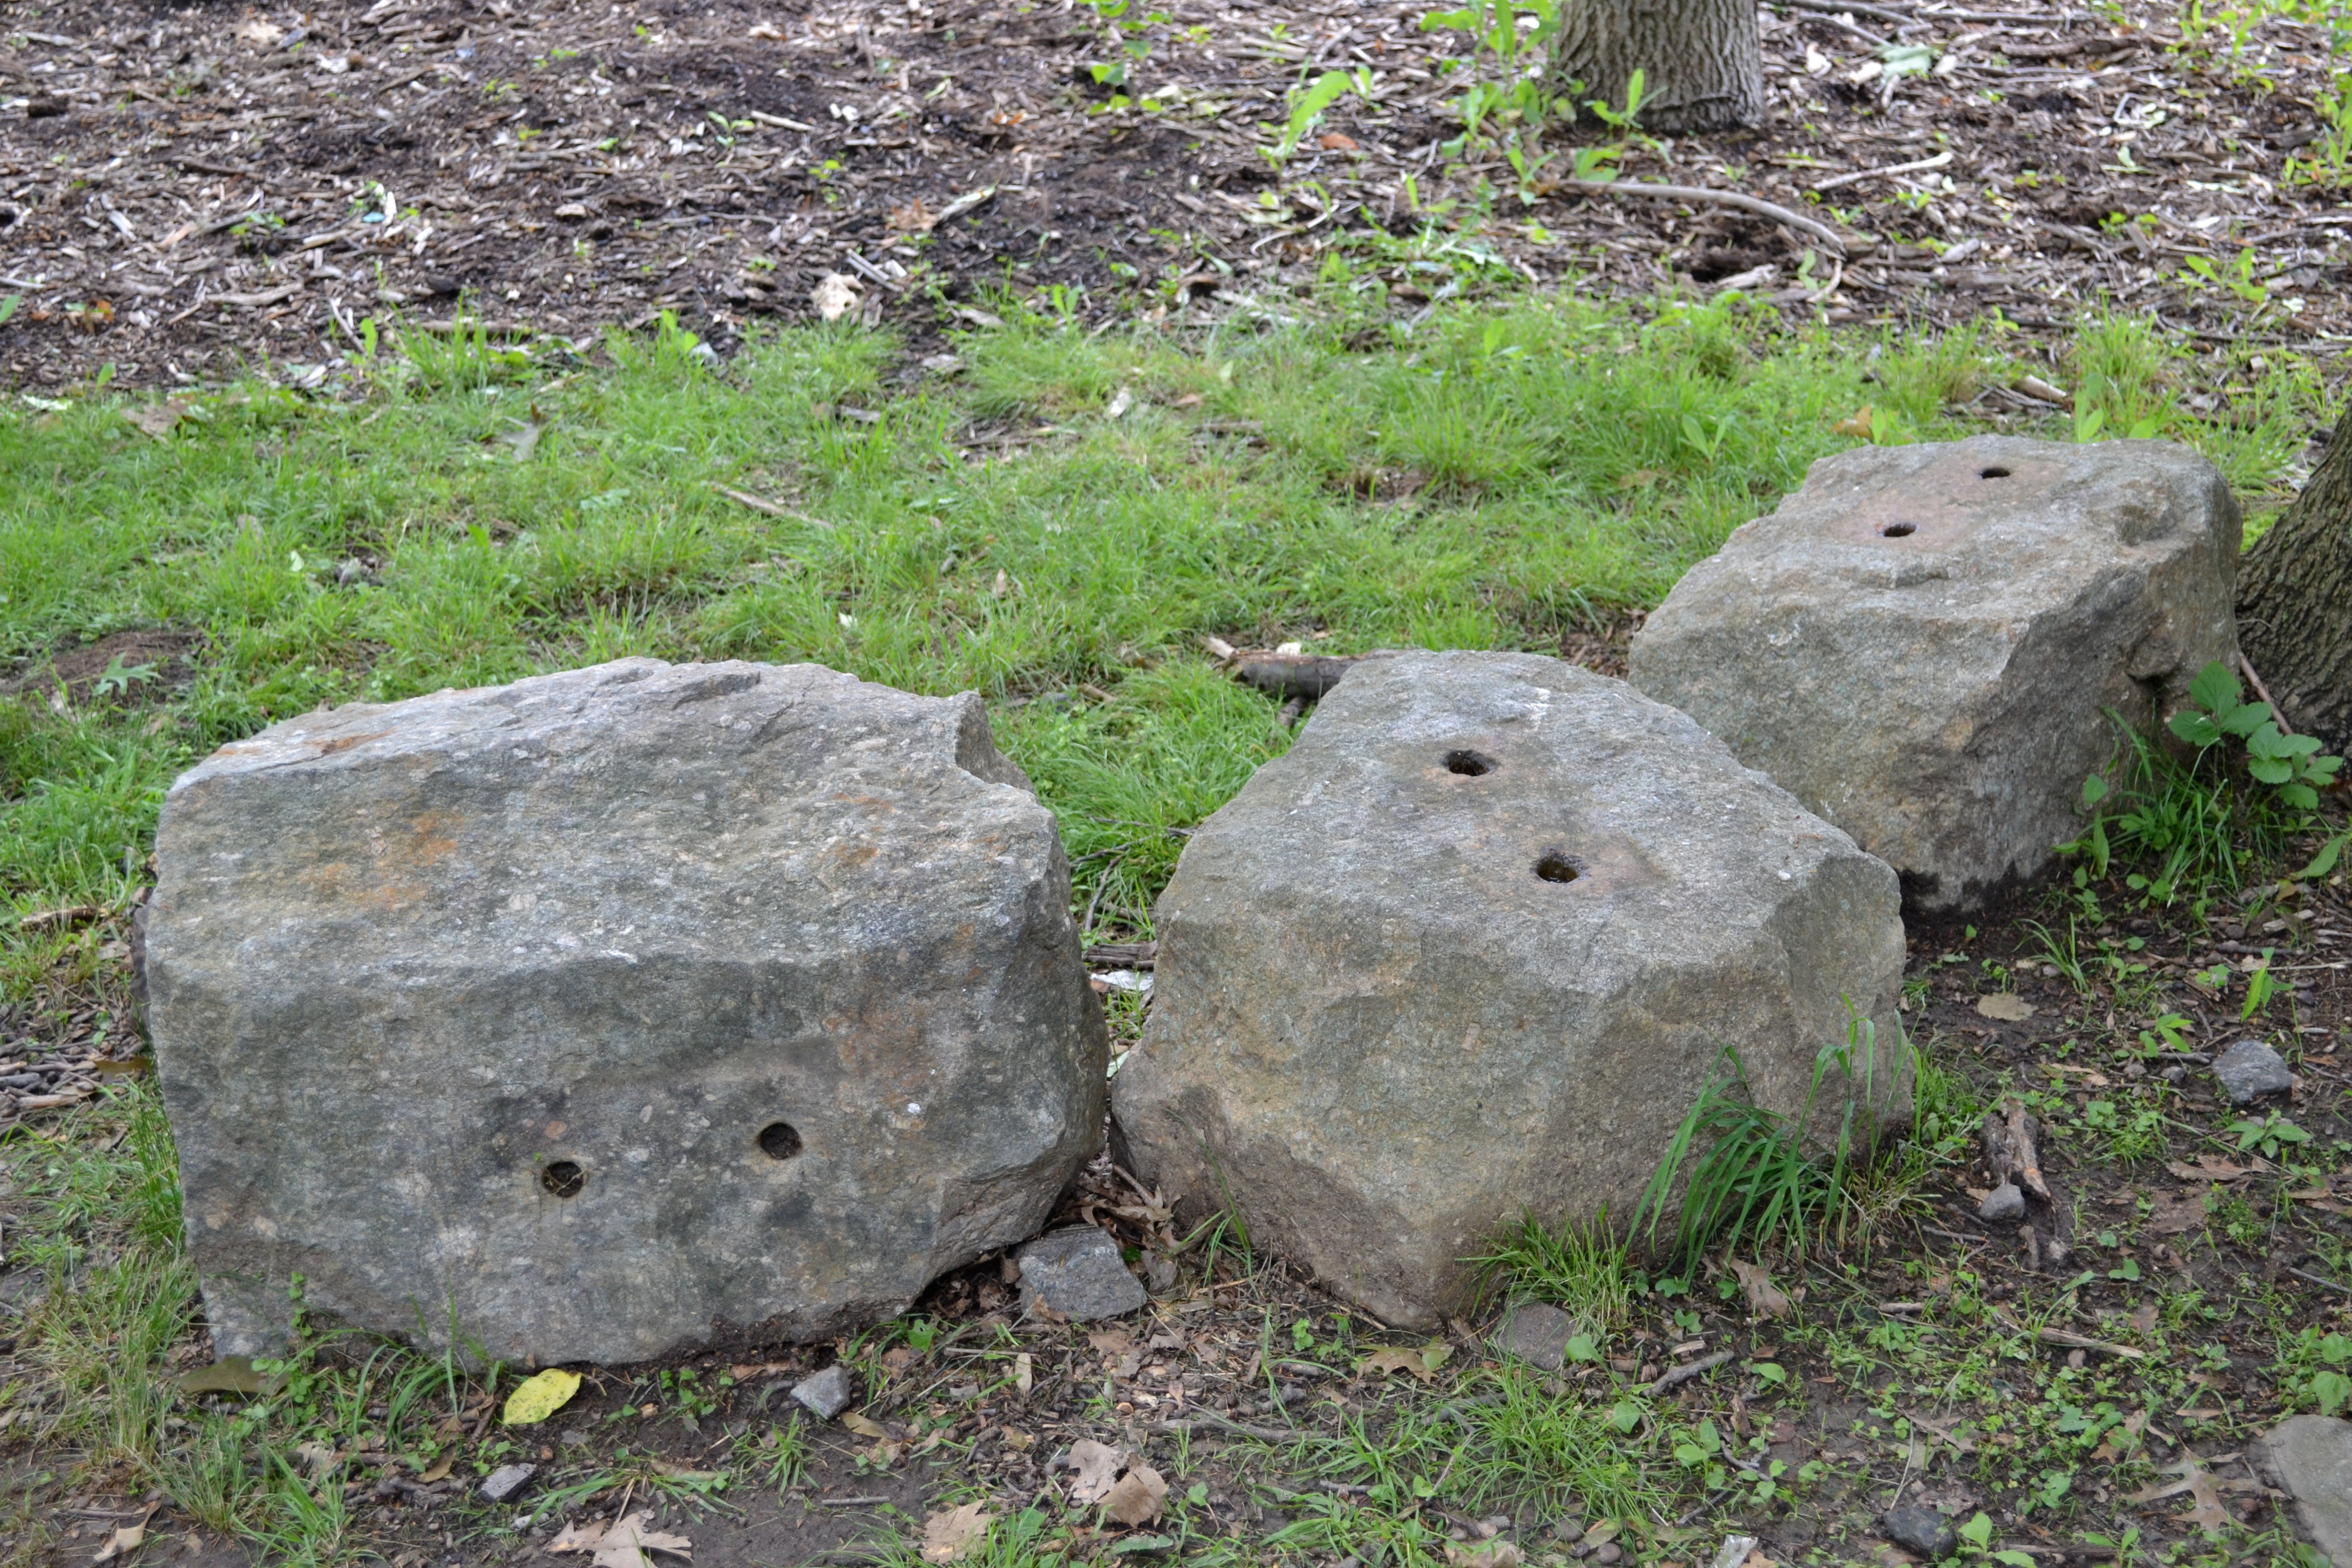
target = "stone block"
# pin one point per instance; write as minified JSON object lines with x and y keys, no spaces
{"x":1473,"y":947}
{"x":1537,"y":1333}
{"x":827,"y":1393}
{"x":1923,"y":643}
{"x":2309,"y":1457}
{"x":2250,"y":1070}
{"x":614,"y":1012}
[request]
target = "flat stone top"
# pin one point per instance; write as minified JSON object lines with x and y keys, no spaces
{"x":604,"y":812}
{"x":1520,"y":800}
{"x":1999,"y":523}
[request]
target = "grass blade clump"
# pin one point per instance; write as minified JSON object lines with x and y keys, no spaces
{"x":1756,"y":1176}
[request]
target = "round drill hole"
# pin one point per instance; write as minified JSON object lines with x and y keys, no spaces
{"x":1556,"y":868}
{"x":778,"y":1141}
{"x":1992,"y":473}
{"x":563,"y":1178}
{"x":1469,"y":764}
{"x":1899,"y":530}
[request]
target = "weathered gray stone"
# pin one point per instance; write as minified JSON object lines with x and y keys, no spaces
{"x":2250,"y":1070}
{"x":1077,"y":1274}
{"x":615,"y":1012}
{"x":1922,"y":643}
{"x":2310,"y":1457}
{"x":828,"y":1392}
{"x":1536,"y":1332}
{"x":506,"y":1480}
{"x":1923,"y":1531}
{"x":2004,"y":1202}
{"x":1471,"y":948}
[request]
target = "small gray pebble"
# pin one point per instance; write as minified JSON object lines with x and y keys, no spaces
{"x":506,"y":1480}
{"x":1078,"y":1274}
{"x":2004,"y":1202}
{"x":828,"y":1392}
{"x":1921,"y":1530}
{"x":2251,"y":1070}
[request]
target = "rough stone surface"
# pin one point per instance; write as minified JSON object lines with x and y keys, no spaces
{"x":1077,"y":1274}
{"x":506,"y":1481}
{"x":1537,"y":1333}
{"x":614,"y":1012}
{"x":2004,"y":1202}
{"x":1921,"y":1530}
{"x":2250,"y":1070}
{"x":828,"y":1392}
{"x":1923,"y":642}
{"x":1384,"y":1031}
{"x":2310,"y":1459}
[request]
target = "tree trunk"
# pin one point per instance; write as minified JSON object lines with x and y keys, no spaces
{"x":2295,"y":601}
{"x":1702,"y":62}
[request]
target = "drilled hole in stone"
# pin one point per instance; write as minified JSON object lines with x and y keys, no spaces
{"x":1469,"y":764}
{"x":563,"y":1178}
{"x":1899,"y":530}
{"x":778,"y":1141}
{"x":1992,"y":473}
{"x":1558,"y":867}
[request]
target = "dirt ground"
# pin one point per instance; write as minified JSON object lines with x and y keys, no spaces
{"x":187,"y":192}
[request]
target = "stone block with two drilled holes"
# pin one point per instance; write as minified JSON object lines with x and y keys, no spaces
{"x":1471,"y":950}
{"x":614,"y":1012}
{"x":1924,"y":643}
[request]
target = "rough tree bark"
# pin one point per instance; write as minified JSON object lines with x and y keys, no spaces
{"x":1702,"y":62}
{"x":2295,"y":601}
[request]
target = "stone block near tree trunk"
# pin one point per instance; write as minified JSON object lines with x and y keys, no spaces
{"x":616,"y":1012}
{"x":1472,"y":949}
{"x":1923,"y":643}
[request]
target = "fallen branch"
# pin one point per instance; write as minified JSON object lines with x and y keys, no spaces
{"x":1833,"y":8}
{"x":773,"y":509}
{"x":2315,"y":1279}
{"x":1687,"y":1371}
{"x":1937,"y":162}
{"x":70,"y":915}
{"x":2263,"y":692}
{"x":1209,"y":1418}
{"x":1778,"y":214}
{"x":2009,"y":1133}
{"x":2084,"y":1343}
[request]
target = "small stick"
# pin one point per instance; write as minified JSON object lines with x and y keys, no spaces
{"x":1687,"y":1371}
{"x":2315,"y":1279}
{"x":1937,"y":162}
{"x":2276,"y":712}
{"x":761,"y":503}
{"x":1209,"y":1418}
{"x":1778,"y":214}
{"x":1833,"y":8}
{"x":2083,"y":1343}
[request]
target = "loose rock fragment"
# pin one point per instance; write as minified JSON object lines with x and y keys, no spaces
{"x":2250,"y":1070}
{"x":1923,"y":644}
{"x":615,"y":1011}
{"x":1077,"y":1274}
{"x":2005,"y":1202}
{"x":1922,"y":1530}
{"x":1473,"y":947}
{"x":506,"y":1480}
{"x":2310,"y":1459}
{"x":1537,"y":1333}
{"x":827,"y":1393}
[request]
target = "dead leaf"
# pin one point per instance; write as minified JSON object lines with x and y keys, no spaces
{"x":949,"y":1536}
{"x":1765,"y":1298}
{"x":835,"y":296}
{"x":440,"y":1468}
{"x":257,"y":30}
{"x":894,"y":1362}
{"x":1495,"y":1554}
{"x":158,"y":419}
{"x":1024,"y":1369}
{"x":2174,"y":1213}
{"x":524,"y":440}
{"x":1639,"y":479}
{"x":318,"y":1458}
{"x":1122,"y":401}
{"x":126,"y":1539}
{"x":2040,"y":391}
{"x":1096,"y":1464}
{"x":1333,"y":142}
{"x":1394,"y":1360}
{"x":1017,"y":1439}
{"x":230,"y":1374}
{"x":2208,"y":1168}
{"x":864,"y":1425}
{"x":913,"y":219}
{"x":1859,"y":424}
{"x":2208,"y":1514}
{"x":1137,"y":1498}
{"x":765,"y":30}
{"x":2121,"y":1440}
{"x":2005,"y":1006}
{"x":1110,"y":1341}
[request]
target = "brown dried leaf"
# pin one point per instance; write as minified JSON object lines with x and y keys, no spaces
{"x":1137,"y":1498}
{"x":1765,"y":1298}
{"x":126,"y":1539}
{"x":950,"y":1536}
{"x":2208,"y":1514}
{"x":1096,"y":1464}
{"x":2005,"y":1006}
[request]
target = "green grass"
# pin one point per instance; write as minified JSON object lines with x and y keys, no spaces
{"x":1547,"y":463}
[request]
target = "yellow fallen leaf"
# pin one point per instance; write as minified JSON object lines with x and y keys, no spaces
{"x":1394,"y":1360}
{"x":1139,"y":1497}
{"x":540,"y":1396}
{"x":864,"y":1425}
{"x":439,"y":1468}
{"x":126,"y":1539}
{"x":1857,"y":426}
{"x":950,"y":1536}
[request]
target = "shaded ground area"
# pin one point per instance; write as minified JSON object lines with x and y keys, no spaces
{"x":183,"y":192}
